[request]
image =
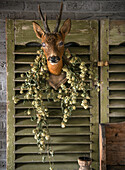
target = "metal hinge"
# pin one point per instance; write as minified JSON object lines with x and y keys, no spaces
{"x":102,"y":63}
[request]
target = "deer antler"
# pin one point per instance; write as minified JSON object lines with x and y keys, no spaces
{"x":44,"y":20}
{"x":59,"y":19}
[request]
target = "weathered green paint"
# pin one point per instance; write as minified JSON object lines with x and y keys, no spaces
{"x":80,"y":130}
{"x":117,"y":73}
{"x":10,"y":94}
{"x":116,"y":32}
{"x":58,"y":157}
{"x":94,"y":120}
{"x":104,"y":75}
{"x":79,"y":30}
{"x":45,"y":166}
{"x":113,"y":76}
{"x":80,"y":137}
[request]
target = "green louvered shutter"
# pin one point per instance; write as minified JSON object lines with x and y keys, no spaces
{"x":80,"y":137}
{"x":113,"y":82}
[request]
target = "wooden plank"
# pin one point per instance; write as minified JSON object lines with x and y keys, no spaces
{"x":117,"y":112}
{"x":10,"y":94}
{"x":54,"y":122}
{"x":22,"y":68}
{"x":94,"y":120}
{"x":57,"y":131}
{"x":54,"y":113}
{"x":115,"y":141}
{"x":117,"y":59}
{"x":117,"y":32}
{"x":102,"y":149}
{"x":117,"y":86}
{"x":24,"y":32}
{"x":117,"y":50}
{"x":117,"y":119}
{"x":33,"y":149}
{"x":49,"y":104}
{"x":116,"y":152}
{"x":117,"y":77}
{"x":45,"y":166}
{"x":104,"y":92}
{"x":117,"y":68}
{"x":117,"y":95}
{"x":57,"y":158}
{"x":115,"y":132}
{"x":58,"y":140}
{"x":116,"y":167}
{"x":117,"y":104}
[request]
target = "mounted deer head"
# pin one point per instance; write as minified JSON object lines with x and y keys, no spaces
{"x":53,"y":42}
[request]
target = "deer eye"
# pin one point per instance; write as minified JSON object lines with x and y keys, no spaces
{"x":43,"y":44}
{"x":60,"y":43}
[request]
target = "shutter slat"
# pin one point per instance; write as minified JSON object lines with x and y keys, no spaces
{"x":117,"y":59}
{"x":54,"y":122}
{"x":117,"y":103}
{"x":117,"y":86}
{"x":22,"y":69}
{"x":117,"y":77}
{"x":57,"y":131}
{"x":117,"y":114}
{"x":27,"y":104}
{"x":55,"y":113}
{"x":57,"y":148}
{"x":57,"y":158}
{"x":117,"y":50}
{"x":117,"y":69}
{"x":45,"y":166}
{"x":59,"y":140}
{"x":117,"y":95}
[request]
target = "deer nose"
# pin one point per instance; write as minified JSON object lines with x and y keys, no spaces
{"x":54,"y":59}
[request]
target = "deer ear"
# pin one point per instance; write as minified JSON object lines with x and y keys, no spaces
{"x":38,"y":30}
{"x":65,"y":29}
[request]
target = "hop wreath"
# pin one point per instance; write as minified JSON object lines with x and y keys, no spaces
{"x":36,"y":86}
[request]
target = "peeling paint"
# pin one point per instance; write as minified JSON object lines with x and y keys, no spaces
{"x":24,"y":27}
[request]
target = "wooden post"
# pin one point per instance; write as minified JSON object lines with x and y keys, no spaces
{"x":102,"y":144}
{"x":10,"y":103}
{"x":104,"y":75}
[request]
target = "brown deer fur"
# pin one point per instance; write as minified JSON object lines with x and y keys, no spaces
{"x":53,"y":45}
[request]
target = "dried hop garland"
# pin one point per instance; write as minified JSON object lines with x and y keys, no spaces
{"x":78,"y":74}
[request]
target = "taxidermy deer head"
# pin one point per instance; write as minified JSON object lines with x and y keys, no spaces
{"x":53,"y":42}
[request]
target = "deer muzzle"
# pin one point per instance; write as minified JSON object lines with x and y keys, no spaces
{"x":54,"y":59}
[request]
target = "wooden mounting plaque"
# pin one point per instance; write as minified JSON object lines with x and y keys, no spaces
{"x":55,"y":81}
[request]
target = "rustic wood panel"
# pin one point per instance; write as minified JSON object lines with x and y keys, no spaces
{"x":104,"y":56}
{"x":10,"y":94}
{"x":45,"y":166}
{"x":94,"y":120}
{"x":115,"y":168}
{"x":112,"y":145}
{"x":80,"y":137}
{"x":102,"y":145}
{"x":80,"y":30}
{"x":117,"y":32}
